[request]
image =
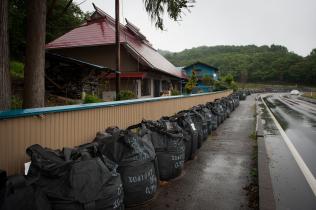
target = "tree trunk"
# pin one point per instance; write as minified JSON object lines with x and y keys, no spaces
{"x":34,"y":74}
{"x":5,"y":80}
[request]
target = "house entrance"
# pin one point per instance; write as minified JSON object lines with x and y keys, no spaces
{"x":156,"y":88}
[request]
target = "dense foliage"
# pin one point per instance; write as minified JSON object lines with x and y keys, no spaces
{"x":251,"y":63}
{"x":62,"y":16}
{"x":88,"y":99}
{"x":225,"y":82}
{"x":174,"y":8}
{"x":16,"y":69}
{"x":126,"y":95}
{"x":191,"y":83}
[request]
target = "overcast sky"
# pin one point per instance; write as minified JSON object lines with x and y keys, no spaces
{"x":291,"y":23}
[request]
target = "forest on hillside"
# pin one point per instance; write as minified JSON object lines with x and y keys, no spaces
{"x":252,"y":63}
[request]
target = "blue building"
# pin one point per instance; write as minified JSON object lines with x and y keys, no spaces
{"x":202,"y":70}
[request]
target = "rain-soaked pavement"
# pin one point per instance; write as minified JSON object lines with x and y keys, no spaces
{"x":298,"y":119}
{"x":216,"y":178}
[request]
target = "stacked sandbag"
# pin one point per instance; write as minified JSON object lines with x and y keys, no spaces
{"x":215,"y":109}
{"x":231,"y":103}
{"x":3,"y":181}
{"x":167,"y":138}
{"x":201,"y":123}
{"x":190,"y":134}
{"x":236,"y":99}
{"x":76,"y":179}
{"x":215,"y":115}
{"x":220,"y":106}
{"x":16,"y":192}
{"x":242,"y":95}
{"x":187,"y":138}
{"x":208,"y":116}
{"x":225,"y":107}
{"x":135,"y":155}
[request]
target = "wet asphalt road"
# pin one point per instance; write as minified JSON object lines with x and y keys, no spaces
{"x":216,"y":178}
{"x":298,"y":120}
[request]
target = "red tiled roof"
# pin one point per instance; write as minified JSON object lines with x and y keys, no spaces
{"x":101,"y":31}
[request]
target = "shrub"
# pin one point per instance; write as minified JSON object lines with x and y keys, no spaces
{"x":228,"y":79}
{"x":220,"y":85}
{"x":17,"y":69}
{"x":226,"y":82}
{"x":16,"y":102}
{"x":208,"y":80}
{"x":91,"y":99}
{"x":192,"y":82}
{"x":233,"y":86}
{"x":126,"y":95}
{"x":175,"y":92}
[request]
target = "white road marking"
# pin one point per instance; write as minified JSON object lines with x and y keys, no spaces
{"x":299,"y":160}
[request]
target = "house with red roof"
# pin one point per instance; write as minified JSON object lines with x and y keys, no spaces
{"x":143,"y":70}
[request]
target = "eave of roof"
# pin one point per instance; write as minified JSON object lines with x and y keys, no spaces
{"x":61,"y":58}
{"x":198,"y":62}
{"x":131,"y":75}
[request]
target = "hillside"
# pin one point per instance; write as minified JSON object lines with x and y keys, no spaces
{"x":252,"y":63}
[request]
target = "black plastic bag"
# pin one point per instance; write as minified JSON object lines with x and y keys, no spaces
{"x":201,"y":123}
{"x":225,"y":108}
{"x":80,"y":178}
{"x":190,"y":134}
{"x":216,"y":110}
{"x":19,"y":194}
{"x":133,"y":151}
{"x":167,"y":138}
{"x":207,"y":114}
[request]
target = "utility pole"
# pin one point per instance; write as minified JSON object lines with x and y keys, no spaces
{"x":118,"y":51}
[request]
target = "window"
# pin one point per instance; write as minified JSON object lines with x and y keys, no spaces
{"x":145,"y":86}
{"x":165,"y":85}
{"x":197,"y":72}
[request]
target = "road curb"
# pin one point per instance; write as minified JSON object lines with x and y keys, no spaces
{"x":266,"y":195}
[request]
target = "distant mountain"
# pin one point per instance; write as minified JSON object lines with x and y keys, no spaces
{"x":164,"y":52}
{"x":252,"y":63}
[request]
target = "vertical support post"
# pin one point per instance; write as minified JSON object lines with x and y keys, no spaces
{"x":180,"y":83}
{"x":118,"y":51}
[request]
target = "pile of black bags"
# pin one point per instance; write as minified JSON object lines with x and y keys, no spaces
{"x":119,"y":168}
{"x":135,"y":155}
{"x":169,"y":145}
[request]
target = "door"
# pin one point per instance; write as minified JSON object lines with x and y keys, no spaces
{"x":156,"y":88}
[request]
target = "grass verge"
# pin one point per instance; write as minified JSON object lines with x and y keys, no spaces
{"x":310,"y":95}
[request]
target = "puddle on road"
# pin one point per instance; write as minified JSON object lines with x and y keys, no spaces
{"x":288,"y":117}
{"x":299,"y":128}
{"x":274,"y":109}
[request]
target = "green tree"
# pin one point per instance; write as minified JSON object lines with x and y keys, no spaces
{"x":191,"y":83}
{"x":174,"y":9}
{"x":228,"y":79}
{"x":63,"y":15}
{"x":207,"y":80}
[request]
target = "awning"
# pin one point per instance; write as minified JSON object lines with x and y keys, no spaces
{"x":128,"y":75}
{"x":60,"y":59}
